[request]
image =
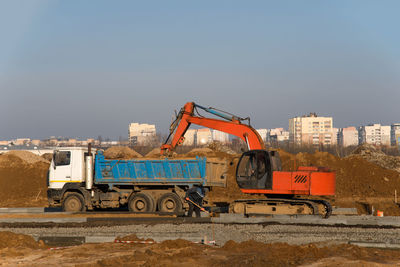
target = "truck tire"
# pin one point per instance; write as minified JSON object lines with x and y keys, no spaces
{"x":141,"y":202}
{"x":73,"y":202}
{"x":170,"y":202}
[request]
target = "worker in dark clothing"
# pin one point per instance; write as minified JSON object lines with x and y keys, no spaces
{"x":195,"y":195}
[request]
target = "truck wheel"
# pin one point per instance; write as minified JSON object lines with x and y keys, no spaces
{"x":141,"y":202}
{"x":73,"y":202}
{"x":170,"y":202}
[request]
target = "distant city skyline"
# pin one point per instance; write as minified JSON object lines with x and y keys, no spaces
{"x":89,"y":68}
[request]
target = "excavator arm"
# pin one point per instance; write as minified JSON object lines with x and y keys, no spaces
{"x":231,"y":125}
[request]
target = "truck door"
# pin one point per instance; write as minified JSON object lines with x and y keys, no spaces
{"x":62,"y":167}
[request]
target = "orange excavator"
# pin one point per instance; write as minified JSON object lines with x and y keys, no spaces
{"x":259,"y":170}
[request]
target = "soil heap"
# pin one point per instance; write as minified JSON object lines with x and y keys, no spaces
{"x":121,"y":152}
{"x":185,"y":253}
{"x":375,"y":155}
{"x":23,"y":180}
{"x":12,"y":240}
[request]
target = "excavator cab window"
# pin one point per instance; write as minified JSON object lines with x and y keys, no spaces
{"x":254,"y":170}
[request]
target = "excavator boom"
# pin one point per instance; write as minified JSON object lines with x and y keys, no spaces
{"x":231,"y":124}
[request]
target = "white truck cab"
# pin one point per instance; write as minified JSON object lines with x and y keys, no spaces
{"x":68,"y":166}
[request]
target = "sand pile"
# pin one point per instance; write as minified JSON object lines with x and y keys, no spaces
{"x":121,"y":152}
{"x":23,"y":180}
{"x":375,"y":155}
{"x":12,"y":240}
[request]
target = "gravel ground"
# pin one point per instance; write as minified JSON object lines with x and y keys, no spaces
{"x":221,"y":233}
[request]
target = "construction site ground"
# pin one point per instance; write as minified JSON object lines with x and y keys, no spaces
{"x":367,"y":181}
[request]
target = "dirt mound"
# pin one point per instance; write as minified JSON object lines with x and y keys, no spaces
{"x":22,"y":184}
{"x":375,"y":155}
{"x":177,"y":243}
{"x":12,"y":240}
{"x":184,"y":253}
{"x":218,"y":147}
{"x":26,"y":156}
{"x":47,"y":156}
{"x":121,"y":152}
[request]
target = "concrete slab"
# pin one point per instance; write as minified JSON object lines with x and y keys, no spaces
{"x":22,"y":210}
{"x":61,"y":241}
{"x":375,"y":245}
{"x":344,"y":211}
{"x":43,"y":220}
{"x":99,"y":239}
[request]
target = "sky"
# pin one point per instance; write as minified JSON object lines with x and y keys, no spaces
{"x":82,"y":69}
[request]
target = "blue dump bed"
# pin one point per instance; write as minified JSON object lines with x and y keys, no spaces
{"x":154,"y":171}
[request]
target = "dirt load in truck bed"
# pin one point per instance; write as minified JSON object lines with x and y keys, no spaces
{"x":121,"y":152}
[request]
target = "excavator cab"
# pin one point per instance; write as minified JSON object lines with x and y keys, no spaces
{"x":255,"y":169}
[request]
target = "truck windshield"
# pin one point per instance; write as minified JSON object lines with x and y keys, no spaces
{"x":62,"y":158}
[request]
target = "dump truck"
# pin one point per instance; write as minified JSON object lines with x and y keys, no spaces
{"x":80,"y":178}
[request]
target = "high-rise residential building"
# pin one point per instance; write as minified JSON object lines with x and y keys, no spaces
{"x":277,"y":135}
{"x":348,"y":136}
{"x":264,"y":134}
{"x":311,"y":130}
{"x":190,"y":137}
{"x":220,"y":136}
{"x":204,"y":136}
{"x":374,"y":134}
{"x":395,"y":134}
{"x":141,"y":134}
{"x":335,"y":136}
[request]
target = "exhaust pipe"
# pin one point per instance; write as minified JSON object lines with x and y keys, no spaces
{"x":89,"y":168}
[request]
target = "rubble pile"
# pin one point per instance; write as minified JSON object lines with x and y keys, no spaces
{"x":375,"y":155}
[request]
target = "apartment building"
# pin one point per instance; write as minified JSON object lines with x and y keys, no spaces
{"x":141,"y":133}
{"x":374,"y":134}
{"x":220,"y":136}
{"x":335,"y":136}
{"x":395,"y":134}
{"x":311,"y":130}
{"x":190,"y":137}
{"x":264,"y":134}
{"x":278,"y":135}
{"x":204,"y":136}
{"x":348,"y":136}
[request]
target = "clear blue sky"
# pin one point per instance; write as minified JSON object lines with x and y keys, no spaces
{"x":89,"y":68}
